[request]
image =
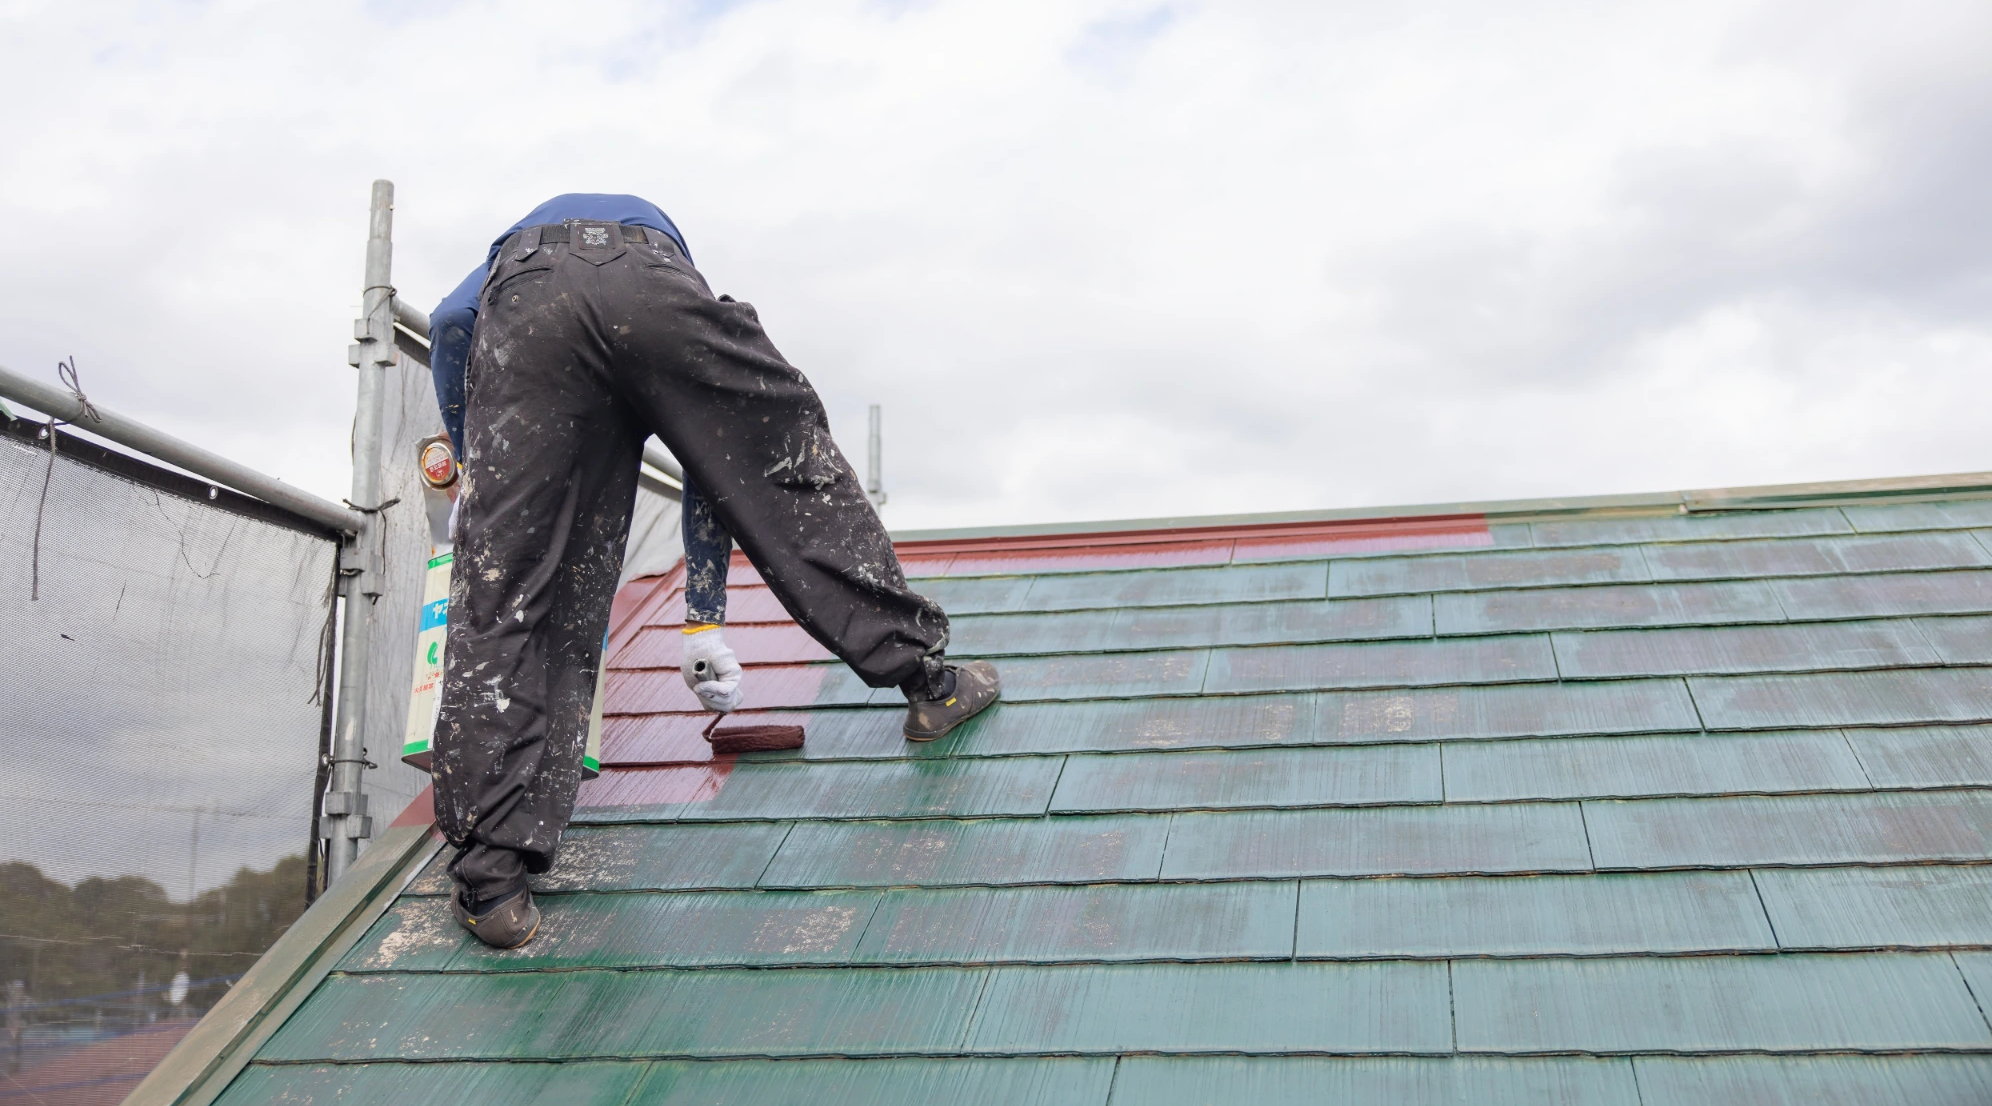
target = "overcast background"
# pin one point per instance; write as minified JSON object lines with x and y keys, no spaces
{"x":1096,"y":259}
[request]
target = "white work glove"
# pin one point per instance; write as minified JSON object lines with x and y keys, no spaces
{"x":711,"y":670}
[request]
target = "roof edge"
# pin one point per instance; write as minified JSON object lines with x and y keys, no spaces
{"x":1968,"y":485}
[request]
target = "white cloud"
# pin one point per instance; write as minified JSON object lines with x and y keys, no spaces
{"x":1097,"y":260}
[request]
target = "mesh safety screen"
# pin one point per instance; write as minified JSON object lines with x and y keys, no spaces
{"x":160,"y":722}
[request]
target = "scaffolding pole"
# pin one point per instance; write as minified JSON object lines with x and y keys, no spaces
{"x":60,"y":403}
{"x":874,"y":461}
{"x":344,"y":820}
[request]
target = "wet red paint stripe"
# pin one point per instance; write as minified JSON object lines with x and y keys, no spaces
{"x":653,"y":740}
{"x":929,"y":565}
{"x":1148,"y":555}
{"x":1252,"y":532}
{"x":646,"y":787}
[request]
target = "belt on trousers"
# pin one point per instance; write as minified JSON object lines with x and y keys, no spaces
{"x":523,"y":243}
{"x":562,"y":232}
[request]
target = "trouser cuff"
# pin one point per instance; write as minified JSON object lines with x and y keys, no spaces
{"x":487,"y":873}
{"x":931,"y":680}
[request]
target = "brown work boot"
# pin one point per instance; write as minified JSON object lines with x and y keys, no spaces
{"x":505,"y":926}
{"x":943,"y":696}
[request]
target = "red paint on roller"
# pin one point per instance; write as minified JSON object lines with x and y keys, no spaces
{"x":747,"y":737}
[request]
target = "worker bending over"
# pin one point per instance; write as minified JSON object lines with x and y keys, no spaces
{"x":586,"y":331}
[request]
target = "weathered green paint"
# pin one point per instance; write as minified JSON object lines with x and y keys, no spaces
{"x":1965,"y":640}
{"x":1166,"y":587}
{"x":1132,"y":628}
{"x":1976,"y":968}
{"x":1815,"y":556}
{"x":1321,"y":776}
{"x":1814,"y":1080}
{"x":1229,"y":840}
{"x":417,"y":934}
{"x":645,"y":858}
{"x":1403,"y":616}
{"x":1532,"y":837}
{"x":1473,"y":660}
{"x":1246,"y":1008}
{"x":1315,"y":1080}
{"x":587,"y":1014}
{"x":1500,"y":535}
{"x":594,"y":1083}
{"x":976,"y":595}
{"x":1925,"y":756}
{"x":1603,"y":654}
{"x":954,"y":853}
{"x":1848,"y":1002}
{"x":1673,"y":764}
{"x":1954,"y":515}
{"x":1476,"y":571}
{"x":1893,"y":697}
{"x":1590,"y":915}
{"x":1229,"y":921}
{"x":1726,"y":526}
{"x":1902,"y":827}
{"x":686,"y":1083}
{"x":1963,"y":592}
{"x":1035,"y":1081}
{"x":1494,"y":612}
{"x":685,"y":929}
{"x":1199,"y":723}
{"x":873,"y":789}
{"x":998,"y":635}
{"x":1099,"y":676}
{"x":1912,"y":906}
{"x":1522,"y":710}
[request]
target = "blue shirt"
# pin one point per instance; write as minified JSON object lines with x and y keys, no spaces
{"x":451,"y":323}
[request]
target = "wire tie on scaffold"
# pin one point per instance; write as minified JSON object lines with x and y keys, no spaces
{"x":383,"y":534}
{"x":65,"y":371}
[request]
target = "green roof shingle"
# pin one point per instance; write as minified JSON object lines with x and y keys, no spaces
{"x":1653,"y":810}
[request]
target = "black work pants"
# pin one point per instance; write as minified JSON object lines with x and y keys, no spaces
{"x":582,"y":349}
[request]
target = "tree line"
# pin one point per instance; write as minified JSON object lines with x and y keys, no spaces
{"x":106,"y":951}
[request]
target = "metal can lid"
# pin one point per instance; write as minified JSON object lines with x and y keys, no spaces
{"x":438,"y":463}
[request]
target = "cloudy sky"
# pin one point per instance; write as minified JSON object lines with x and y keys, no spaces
{"x":1097,"y":260}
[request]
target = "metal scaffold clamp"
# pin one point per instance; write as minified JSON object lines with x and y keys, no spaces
{"x":345,"y":815}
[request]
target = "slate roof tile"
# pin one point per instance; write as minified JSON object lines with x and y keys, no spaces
{"x":1784,"y":1003}
{"x":1599,"y":808}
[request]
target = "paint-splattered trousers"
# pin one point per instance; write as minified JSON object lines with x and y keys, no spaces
{"x":582,"y":349}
